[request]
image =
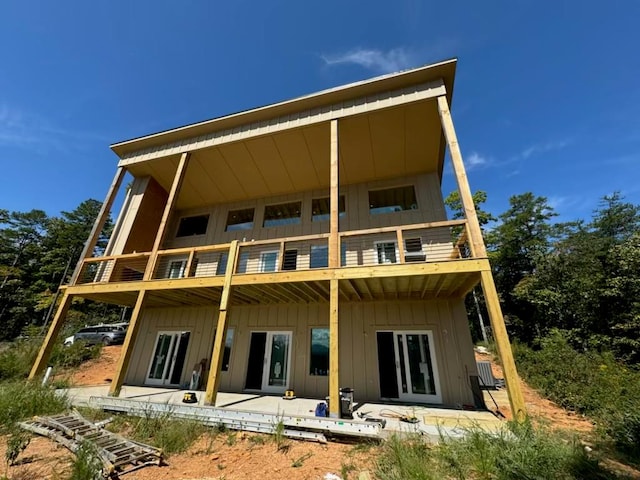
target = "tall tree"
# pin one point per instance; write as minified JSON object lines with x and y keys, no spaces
{"x":20,"y":257}
{"x":522,"y":238}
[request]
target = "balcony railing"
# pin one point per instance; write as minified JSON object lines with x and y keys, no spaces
{"x":418,"y":243}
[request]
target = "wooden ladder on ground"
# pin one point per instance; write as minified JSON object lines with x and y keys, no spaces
{"x":118,"y":455}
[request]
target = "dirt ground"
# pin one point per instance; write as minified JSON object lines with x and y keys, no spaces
{"x":238,"y":455}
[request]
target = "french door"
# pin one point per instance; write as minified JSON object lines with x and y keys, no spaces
{"x":407,"y":366}
{"x":168,"y":358}
{"x":269,"y":365}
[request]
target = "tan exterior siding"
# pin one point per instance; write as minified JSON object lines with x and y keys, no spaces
{"x":427,"y":188}
{"x":359,"y":324}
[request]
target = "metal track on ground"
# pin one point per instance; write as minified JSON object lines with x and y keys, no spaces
{"x":301,"y":427}
{"x":119,"y":455}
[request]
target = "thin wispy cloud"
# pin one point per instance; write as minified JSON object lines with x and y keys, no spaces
{"x":22,"y":129}
{"x":373,"y":59}
{"x":475,"y":160}
{"x":542,"y":147}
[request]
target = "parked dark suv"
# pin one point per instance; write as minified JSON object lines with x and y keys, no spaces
{"x":112,"y":334}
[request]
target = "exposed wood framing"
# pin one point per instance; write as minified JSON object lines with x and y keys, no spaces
{"x":127,"y":348}
{"x":461,"y":177}
{"x":413,"y":226}
{"x":400,"y":245}
{"x":215,"y":368}
{"x":171,"y":201}
{"x":511,"y":379}
{"x":52,"y":334}
{"x":334,"y":209}
{"x":98,"y":225}
{"x":334,"y":357}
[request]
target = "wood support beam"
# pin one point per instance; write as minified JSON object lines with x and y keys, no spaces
{"x":461,"y":177}
{"x":334,"y":208}
{"x":215,"y":367}
{"x":98,"y":225}
{"x":127,"y":347}
{"x":511,"y":379}
{"x":171,"y":201}
{"x":52,"y":334}
{"x":334,"y":357}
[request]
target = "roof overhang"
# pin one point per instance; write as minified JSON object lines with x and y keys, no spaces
{"x":444,"y":71}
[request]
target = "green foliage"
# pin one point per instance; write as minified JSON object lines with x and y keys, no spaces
{"x":169,"y":434}
{"x":18,"y":440}
{"x":519,"y":452}
{"x":16,"y":360}
{"x":37,"y":253}
{"x":87,"y":464}
{"x":20,"y":400}
{"x":592,"y":383}
{"x":73,"y":355}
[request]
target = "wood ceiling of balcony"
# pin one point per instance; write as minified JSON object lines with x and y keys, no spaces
{"x":444,"y":285}
{"x":382,"y":144}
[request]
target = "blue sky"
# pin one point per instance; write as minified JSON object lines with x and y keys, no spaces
{"x":547,"y":95}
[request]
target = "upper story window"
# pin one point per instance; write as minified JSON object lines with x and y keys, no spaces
{"x":282,"y":214}
{"x":196,"y":225}
{"x":321,"y":208}
{"x":240,"y":220}
{"x":392,"y":200}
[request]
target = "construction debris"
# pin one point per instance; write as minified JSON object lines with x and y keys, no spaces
{"x":298,"y":427}
{"x":118,"y":454}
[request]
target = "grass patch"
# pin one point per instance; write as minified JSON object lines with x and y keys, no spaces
{"x":591,"y":383}
{"x":17,"y":359}
{"x":21,"y":400}
{"x":169,"y":434}
{"x":87,"y":464}
{"x":521,"y":452}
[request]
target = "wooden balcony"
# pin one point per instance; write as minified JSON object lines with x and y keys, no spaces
{"x":409,"y":261}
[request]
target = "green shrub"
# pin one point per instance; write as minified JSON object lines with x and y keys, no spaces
{"x":520,"y":452}
{"x":592,"y":383}
{"x":73,"y":355}
{"x":22,"y":400}
{"x":171,"y":435}
{"x":87,"y":464}
{"x":16,"y":361}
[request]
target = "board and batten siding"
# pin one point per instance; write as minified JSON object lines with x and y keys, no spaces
{"x":428,"y":195}
{"x":359,"y":323}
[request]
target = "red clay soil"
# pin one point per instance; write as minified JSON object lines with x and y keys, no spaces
{"x":238,"y":455}
{"x":538,"y":406}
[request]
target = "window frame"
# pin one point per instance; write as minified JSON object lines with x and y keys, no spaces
{"x":325,"y":217}
{"x":189,"y":217}
{"x":282,"y":221}
{"x":381,"y":210}
{"x":235,"y":227}
{"x":310,"y":369}
{"x":376,"y":246}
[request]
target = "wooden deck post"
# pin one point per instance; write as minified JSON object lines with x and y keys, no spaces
{"x":334,"y":262}
{"x":171,"y":201}
{"x":98,"y":224}
{"x":52,"y":334}
{"x":476,"y":243}
{"x":217,"y":355}
{"x":511,"y":379}
{"x":461,"y":177}
{"x":127,"y":348}
{"x":334,"y":353}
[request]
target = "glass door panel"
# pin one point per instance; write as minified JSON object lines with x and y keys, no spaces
{"x":275,"y":377}
{"x":416,"y":367}
{"x":168,"y":358}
